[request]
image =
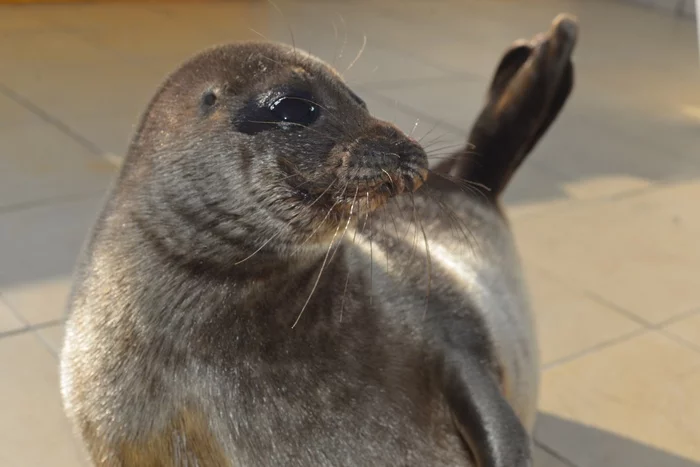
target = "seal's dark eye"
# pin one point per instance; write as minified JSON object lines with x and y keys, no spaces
{"x":295,"y":110}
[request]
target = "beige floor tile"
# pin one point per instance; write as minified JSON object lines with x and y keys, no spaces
{"x":8,"y":320}
{"x":106,"y":17}
{"x":48,"y":47}
{"x":570,"y":322}
{"x":174,"y":44}
{"x":687,"y":329}
{"x":630,"y":404}
{"x":42,"y":245}
{"x":14,"y":20}
{"x":33,"y":429}
{"x":92,"y":89}
{"x":110,"y":134}
{"x":596,"y":144}
{"x":533,"y":187}
{"x":53,"y":336}
{"x":639,"y":253}
{"x":456,"y":102}
{"x":39,"y":162}
{"x":358,"y":60}
{"x":435,"y":138}
{"x":605,"y":186}
{"x":523,"y":210}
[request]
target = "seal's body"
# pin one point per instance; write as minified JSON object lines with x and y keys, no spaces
{"x":276,"y":278}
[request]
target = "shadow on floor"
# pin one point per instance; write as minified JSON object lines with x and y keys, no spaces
{"x":586,"y":446}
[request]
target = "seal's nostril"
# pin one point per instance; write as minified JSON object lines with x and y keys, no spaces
{"x":388,"y":188}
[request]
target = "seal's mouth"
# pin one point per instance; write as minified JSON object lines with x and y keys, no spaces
{"x":362,"y":195}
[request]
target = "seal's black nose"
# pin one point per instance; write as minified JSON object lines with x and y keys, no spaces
{"x":376,"y":153}
{"x":385,"y":147}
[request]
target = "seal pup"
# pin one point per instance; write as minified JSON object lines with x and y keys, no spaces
{"x":253,"y":292}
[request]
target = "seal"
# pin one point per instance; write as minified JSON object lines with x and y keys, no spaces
{"x":279,"y":278}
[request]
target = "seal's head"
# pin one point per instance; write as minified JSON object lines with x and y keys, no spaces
{"x":271,"y":137}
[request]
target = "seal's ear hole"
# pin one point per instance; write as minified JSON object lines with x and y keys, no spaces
{"x":209,"y":99}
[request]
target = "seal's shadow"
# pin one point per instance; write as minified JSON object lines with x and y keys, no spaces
{"x":585,"y":446}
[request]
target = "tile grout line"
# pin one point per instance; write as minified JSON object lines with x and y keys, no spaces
{"x":48,"y":118}
{"x":25,"y":324}
{"x":678,"y":317}
{"x":54,"y":352}
{"x":552,"y":452}
{"x":650,"y":327}
{"x":594,"y":297}
{"x":590,"y":350}
{"x":15,"y":332}
{"x":27,"y":328}
{"x":682,"y":341}
{"x":49,"y":201}
{"x":618,"y":309}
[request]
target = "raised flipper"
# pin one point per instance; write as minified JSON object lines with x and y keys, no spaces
{"x":528,"y":90}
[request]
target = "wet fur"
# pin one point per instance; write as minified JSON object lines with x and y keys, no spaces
{"x":218,"y":319}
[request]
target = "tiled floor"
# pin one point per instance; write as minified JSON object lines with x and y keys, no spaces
{"x":605,"y":210}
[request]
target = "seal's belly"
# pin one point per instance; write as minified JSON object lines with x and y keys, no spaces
{"x":485,"y":280}
{"x":499,"y":297}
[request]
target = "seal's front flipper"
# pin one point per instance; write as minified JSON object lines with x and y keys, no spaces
{"x":528,"y":90}
{"x":484,"y":419}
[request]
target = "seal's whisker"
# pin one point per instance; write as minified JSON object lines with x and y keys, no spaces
{"x":453,"y":217}
{"x":277,"y":62}
{"x":345,"y":39}
{"x":385,"y":214}
{"x":415,"y":127}
{"x":347,"y":278}
{"x":371,"y":253}
{"x":297,"y":173}
{"x":439,"y":146}
{"x":433,"y":147}
{"x":258,"y":33}
{"x":323,"y":192}
{"x":359,"y":54}
{"x":393,"y":220}
{"x":330,"y":210}
{"x":335,"y":42}
{"x":399,"y":210}
{"x":289,"y":25}
{"x":318,"y":278}
{"x":414,"y":244}
{"x":342,"y":237}
{"x":427,"y":138}
{"x":272,"y":122}
{"x":464,"y":184}
{"x":446,"y":152}
{"x":435,"y":125}
{"x":428,"y":258}
{"x":265,"y":243}
{"x":347,"y":224}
